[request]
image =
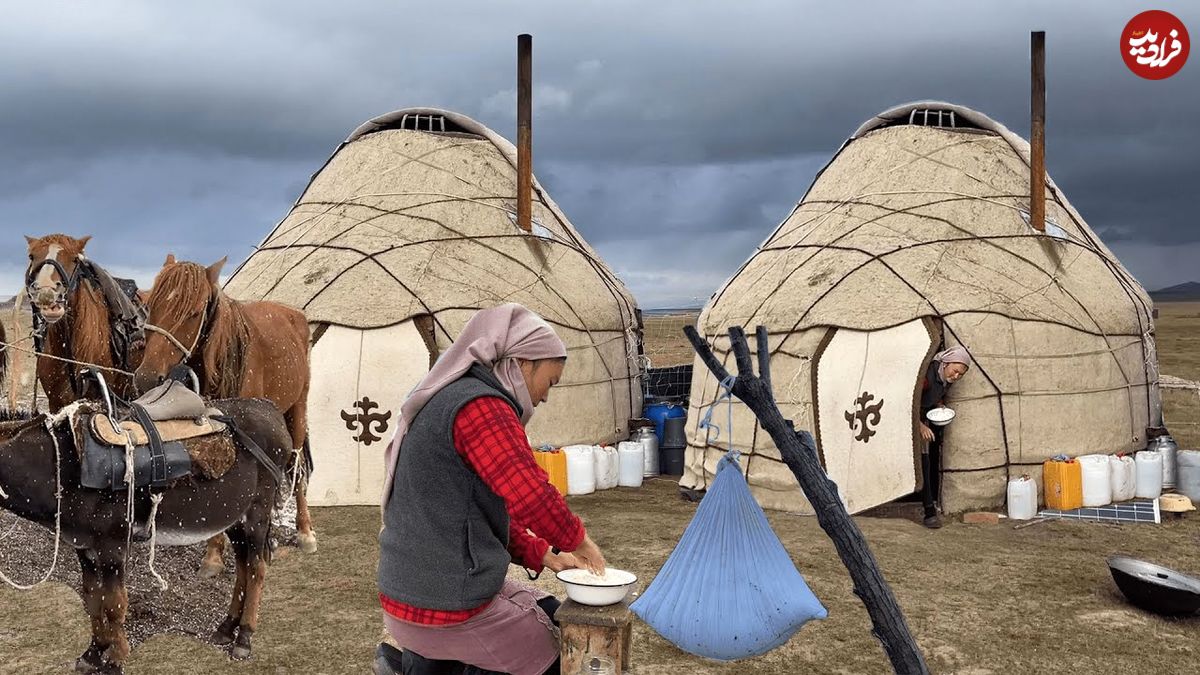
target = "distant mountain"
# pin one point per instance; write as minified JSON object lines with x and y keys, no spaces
{"x":1189,"y":292}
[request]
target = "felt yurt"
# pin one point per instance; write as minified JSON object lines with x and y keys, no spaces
{"x":916,"y":237}
{"x":406,"y":231}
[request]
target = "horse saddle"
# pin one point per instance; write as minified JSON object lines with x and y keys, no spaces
{"x":162,"y":420}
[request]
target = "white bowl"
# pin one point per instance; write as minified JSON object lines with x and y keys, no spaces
{"x":588,"y":589}
{"x":940,"y":416}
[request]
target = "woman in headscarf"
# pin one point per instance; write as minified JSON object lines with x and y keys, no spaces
{"x":464,"y":497}
{"x":946,"y":368}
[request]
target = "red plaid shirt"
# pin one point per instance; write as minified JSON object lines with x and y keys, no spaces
{"x":490,"y":439}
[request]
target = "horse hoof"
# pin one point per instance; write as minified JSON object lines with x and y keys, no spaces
{"x":240,"y":653}
{"x":307,"y":542}
{"x":89,"y":661}
{"x":223,"y":635}
{"x":209,"y":570}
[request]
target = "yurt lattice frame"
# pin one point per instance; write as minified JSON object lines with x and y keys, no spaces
{"x":914,"y":237}
{"x":406,"y":231}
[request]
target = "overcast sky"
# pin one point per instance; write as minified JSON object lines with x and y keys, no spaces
{"x":674,"y":134}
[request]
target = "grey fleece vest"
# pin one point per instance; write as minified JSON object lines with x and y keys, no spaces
{"x":444,"y":544}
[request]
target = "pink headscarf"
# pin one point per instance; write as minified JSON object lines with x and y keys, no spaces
{"x":494,"y":337}
{"x":956,"y":354}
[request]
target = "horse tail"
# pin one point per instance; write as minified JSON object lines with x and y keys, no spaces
{"x":308,"y":458}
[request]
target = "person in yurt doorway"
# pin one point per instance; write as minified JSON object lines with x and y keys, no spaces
{"x":946,"y":368}
{"x":463,"y":498}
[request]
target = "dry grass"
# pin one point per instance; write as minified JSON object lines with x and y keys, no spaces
{"x":980,"y":599}
{"x":665,"y":343}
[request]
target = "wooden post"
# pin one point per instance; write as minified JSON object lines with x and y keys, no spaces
{"x":799,"y":452}
{"x":589,"y":632}
{"x":1037,"y":135}
{"x":525,"y":131}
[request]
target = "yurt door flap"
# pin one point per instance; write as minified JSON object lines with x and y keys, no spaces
{"x":359,"y":379}
{"x":867,"y":393}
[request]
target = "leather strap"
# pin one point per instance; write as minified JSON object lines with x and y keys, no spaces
{"x":158,"y":456}
{"x":246,"y":442}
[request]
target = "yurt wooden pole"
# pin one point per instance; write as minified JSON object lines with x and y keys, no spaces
{"x":800,"y":454}
{"x":1037,"y":135}
{"x":525,"y":131}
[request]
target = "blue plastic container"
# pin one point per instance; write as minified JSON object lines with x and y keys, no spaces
{"x":660,"y":412}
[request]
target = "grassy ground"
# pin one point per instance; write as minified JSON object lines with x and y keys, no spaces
{"x":980,"y":599}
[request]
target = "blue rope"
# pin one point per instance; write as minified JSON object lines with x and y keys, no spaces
{"x":706,"y":423}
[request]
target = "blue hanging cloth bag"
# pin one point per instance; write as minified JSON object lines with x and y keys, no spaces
{"x":729,"y":590}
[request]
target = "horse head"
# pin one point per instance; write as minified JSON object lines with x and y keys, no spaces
{"x":53,"y":273}
{"x":181,"y":307}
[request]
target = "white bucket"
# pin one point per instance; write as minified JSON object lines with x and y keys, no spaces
{"x":1097,"y":480}
{"x":1022,"y":498}
{"x":1149,"y":474}
{"x":1124,"y":478}
{"x":581,"y":470}
{"x":606,"y":466}
{"x":631,"y":457}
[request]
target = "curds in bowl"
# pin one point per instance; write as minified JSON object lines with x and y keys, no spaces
{"x":590,"y":589}
{"x":940,"y":416}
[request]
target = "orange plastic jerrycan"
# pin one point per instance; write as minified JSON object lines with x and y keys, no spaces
{"x":1063,"y":484}
{"x":554,"y":463}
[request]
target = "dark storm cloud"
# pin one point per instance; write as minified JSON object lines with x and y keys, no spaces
{"x":653,"y":120}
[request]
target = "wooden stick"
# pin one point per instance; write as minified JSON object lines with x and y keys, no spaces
{"x":1037,"y":136}
{"x":799,"y":452}
{"x":525,"y":132}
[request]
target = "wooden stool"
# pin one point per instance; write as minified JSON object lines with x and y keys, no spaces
{"x":594,"y":631}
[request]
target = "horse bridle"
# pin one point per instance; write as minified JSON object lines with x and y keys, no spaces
{"x":67,"y":283}
{"x":205,"y":323}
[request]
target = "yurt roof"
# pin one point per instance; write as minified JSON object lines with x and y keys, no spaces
{"x":415,"y":214}
{"x":924,"y":212}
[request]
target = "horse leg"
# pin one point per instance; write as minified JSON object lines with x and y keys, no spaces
{"x":108,"y":624}
{"x":91,"y":659}
{"x":214,"y":562}
{"x":297,"y":421}
{"x":253,"y":558}
{"x":224,"y":634}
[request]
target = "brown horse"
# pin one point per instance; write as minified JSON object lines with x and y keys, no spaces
{"x":242,"y":350}
{"x":95,"y":524}
{"x":78,"y":316}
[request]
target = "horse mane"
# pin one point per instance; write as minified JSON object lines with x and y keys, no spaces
{"x":15,"y":414}
{"x":224,"y":349}
{"x":91,"y":331}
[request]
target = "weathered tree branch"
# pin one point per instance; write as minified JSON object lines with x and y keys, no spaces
{"x":799,"y":452}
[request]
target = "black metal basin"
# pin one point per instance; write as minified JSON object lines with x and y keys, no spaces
{"x":1155,"y":588}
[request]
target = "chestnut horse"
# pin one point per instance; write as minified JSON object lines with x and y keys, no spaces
{"x":40,"y":474}
{"x":76,"y":319}
{"x":238,"y":350}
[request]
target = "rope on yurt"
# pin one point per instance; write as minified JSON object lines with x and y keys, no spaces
{"x":566,"y":239}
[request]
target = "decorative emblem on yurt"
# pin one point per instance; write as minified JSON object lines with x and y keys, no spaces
{"x":867,"y":415}
{"x":365,"y":419}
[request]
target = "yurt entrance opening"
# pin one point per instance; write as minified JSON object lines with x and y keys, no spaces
{"x":867,"y":388}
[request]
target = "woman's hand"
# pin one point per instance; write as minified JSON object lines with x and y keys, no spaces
{"x":588,"y":556}
{"x":557,"y":562}
{"x":926,"y":433}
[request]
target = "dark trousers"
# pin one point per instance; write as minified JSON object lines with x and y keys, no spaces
{"x":412,"y":663}
{"x":931,"y":473}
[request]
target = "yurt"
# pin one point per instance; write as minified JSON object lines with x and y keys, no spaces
{"x":916,"y":237}
{"x":407,"y":230}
